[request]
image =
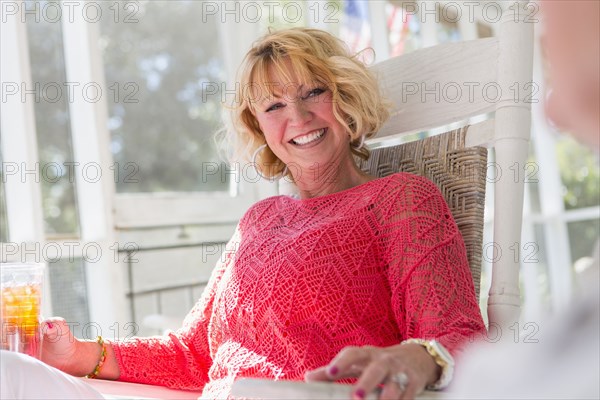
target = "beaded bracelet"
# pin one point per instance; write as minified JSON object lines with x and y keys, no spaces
{"x":96,"y":370}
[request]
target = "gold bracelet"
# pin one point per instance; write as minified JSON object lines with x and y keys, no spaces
{"x":96,"y":371}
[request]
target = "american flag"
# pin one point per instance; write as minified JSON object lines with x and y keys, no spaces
{"x":355,"y":29}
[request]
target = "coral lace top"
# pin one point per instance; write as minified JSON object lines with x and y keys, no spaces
{"x":302,"y":279}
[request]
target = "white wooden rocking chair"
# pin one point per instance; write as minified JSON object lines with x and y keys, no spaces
{"x":448,"y":84}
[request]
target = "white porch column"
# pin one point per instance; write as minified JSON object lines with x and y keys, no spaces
{"x":21,"y":172}
{"x":552,"y":206}
{"x":513,"y":126}
{"x":88,"y":112}
{"x":19,"y":142}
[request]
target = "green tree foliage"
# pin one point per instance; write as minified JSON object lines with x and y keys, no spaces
{"x":579,"y":173}
{"x":52,"y":122}
{"x":580,"y":176}
{"x":158,"y":61}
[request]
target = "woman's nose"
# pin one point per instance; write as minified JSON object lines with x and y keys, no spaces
{"x":299,"y":113}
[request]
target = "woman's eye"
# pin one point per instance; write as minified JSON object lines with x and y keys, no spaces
{"x":274,"y":107}
{"x":315,"y":92}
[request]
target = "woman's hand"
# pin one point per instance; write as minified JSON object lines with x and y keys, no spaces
{"x":59,"y":348}
{"x":403,"y":370}
{"x":64,"y":351}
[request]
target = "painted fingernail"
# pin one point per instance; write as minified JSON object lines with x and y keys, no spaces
{"x":333,"y":370}
{"x":360,"y":393}
{"x":50,"y":325}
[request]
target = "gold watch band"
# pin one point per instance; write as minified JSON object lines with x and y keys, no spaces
{"x":441,"y":356}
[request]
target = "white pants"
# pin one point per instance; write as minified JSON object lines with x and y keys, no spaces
{"x":24,"y":377}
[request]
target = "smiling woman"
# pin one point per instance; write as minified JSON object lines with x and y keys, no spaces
{"x":360,"y":279}
{"x":302,"y":92}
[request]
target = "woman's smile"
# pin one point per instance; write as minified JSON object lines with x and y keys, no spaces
{"x":309,"y":139}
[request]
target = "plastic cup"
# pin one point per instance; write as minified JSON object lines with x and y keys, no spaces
{"x":21,"y":307}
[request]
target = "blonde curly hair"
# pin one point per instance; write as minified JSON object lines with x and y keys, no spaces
{"x":316,"y":57}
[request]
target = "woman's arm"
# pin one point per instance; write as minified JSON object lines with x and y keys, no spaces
{"x":179,"y":359}
{"x":433,"y":296}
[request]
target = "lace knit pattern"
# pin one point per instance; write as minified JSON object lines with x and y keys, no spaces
{"x":302,"y":279}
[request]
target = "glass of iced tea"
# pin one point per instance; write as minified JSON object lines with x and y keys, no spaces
{"x":21,"y":307}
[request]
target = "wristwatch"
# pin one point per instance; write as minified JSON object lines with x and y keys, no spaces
{"x":441,"y":356}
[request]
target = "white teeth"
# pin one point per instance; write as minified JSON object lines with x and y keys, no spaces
{"x":311,"y":137}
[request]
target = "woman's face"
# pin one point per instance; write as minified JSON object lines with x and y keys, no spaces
{"x":299,"y":124}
